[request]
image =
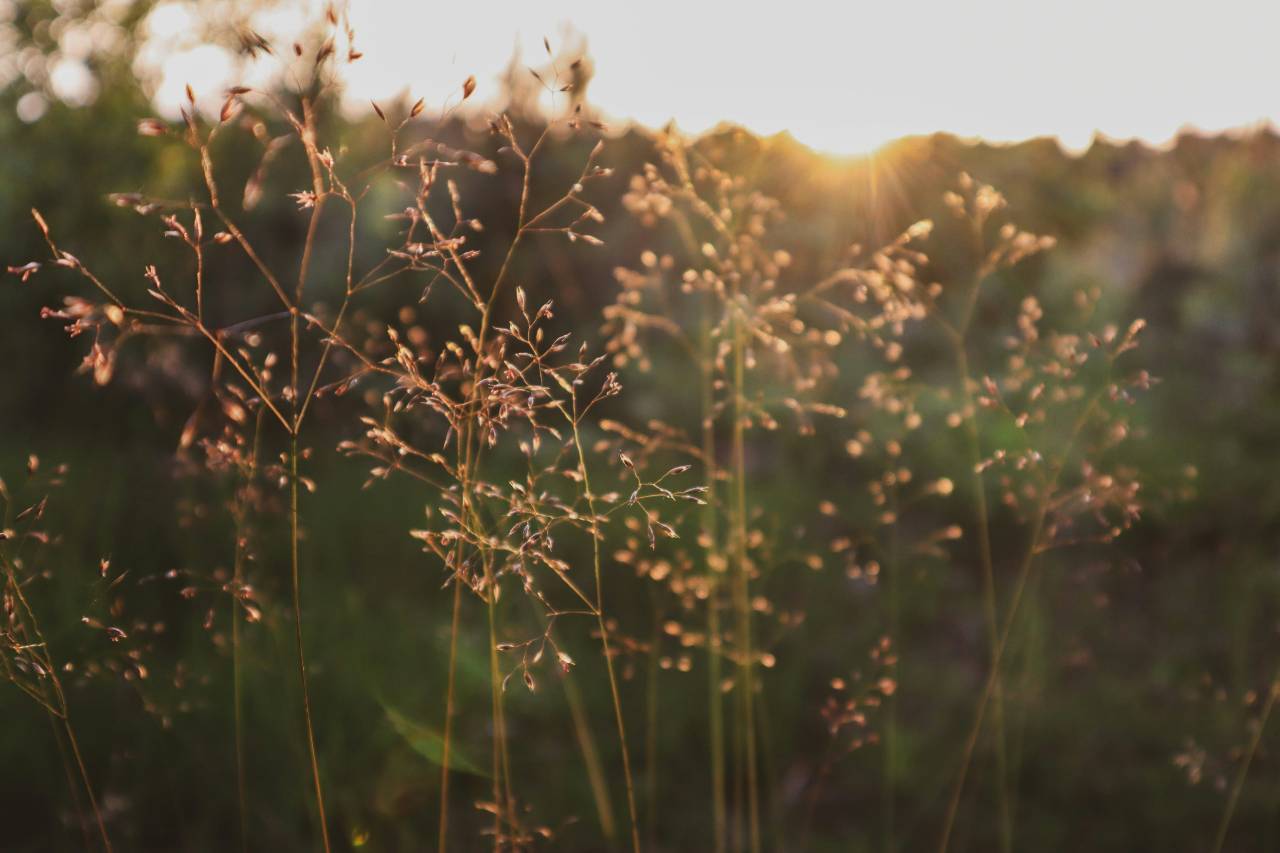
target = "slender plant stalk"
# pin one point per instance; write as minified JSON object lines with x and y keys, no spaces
{"x":604,"y":635}
{"x":744,"y":747}
{"x":237,"y":703}
{"x":893,"y":577}
{"x":297,"y":628}
{"x":293,"y":423}
{"x":448,"y":717}
{"x":710,"y":526}
{"x":469,"y":452}
{"x":1237,"y":786}
{"x":590,"y":756}
{"x":715,"y":697}
{"x":1020,"y":584}
{"x":501,"y":792}
{"x":503,"y":743}
{"x":84,"y":773}
{"x":959,"y":339}
{"x":54,"y":715}
{"x":236,"y":659}
{"x":81,"y":819}
{"x":1018,"y":726}
{"x":815,"y":789}
{"x":769,"y":772}
{"x":715,"y":701}
{"x":651,"y":727}
{"x":504,"y":805}
{"x":502,"y":800}
{"x":983,"y":519}
{"x":464,"y":451}
{"x":470,"y":446}
{"x":321,"y":196}
{"x":61,"y":710}
{"x":988,"y":689}
{"x":742,"y":595}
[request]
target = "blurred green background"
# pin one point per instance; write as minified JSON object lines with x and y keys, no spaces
{"x":1126,"y":658}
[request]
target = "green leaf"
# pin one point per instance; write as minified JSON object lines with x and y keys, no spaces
{"x":428,"y":743}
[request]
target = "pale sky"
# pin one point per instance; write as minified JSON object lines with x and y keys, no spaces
{"x":842,"y":77}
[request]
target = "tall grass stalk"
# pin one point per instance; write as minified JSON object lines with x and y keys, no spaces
{"x":742,"y":578}
{"x":596,"y":776}
{"x":715,"y":569}
{"x":1033,"y":549}
{"x":893,"y":581}
{"x":1237,"y":784}
{"x":982,"y":526}
{"x":604,"y":630}
{"x":54,"y":704}
{"x":237,"y":663}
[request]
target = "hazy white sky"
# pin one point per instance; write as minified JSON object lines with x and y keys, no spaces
{"x":842,"y":76}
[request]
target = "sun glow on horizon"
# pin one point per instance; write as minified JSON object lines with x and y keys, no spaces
{"x":844,"y":81}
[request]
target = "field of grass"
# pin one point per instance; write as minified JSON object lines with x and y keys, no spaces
{"x":438,"y":479}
